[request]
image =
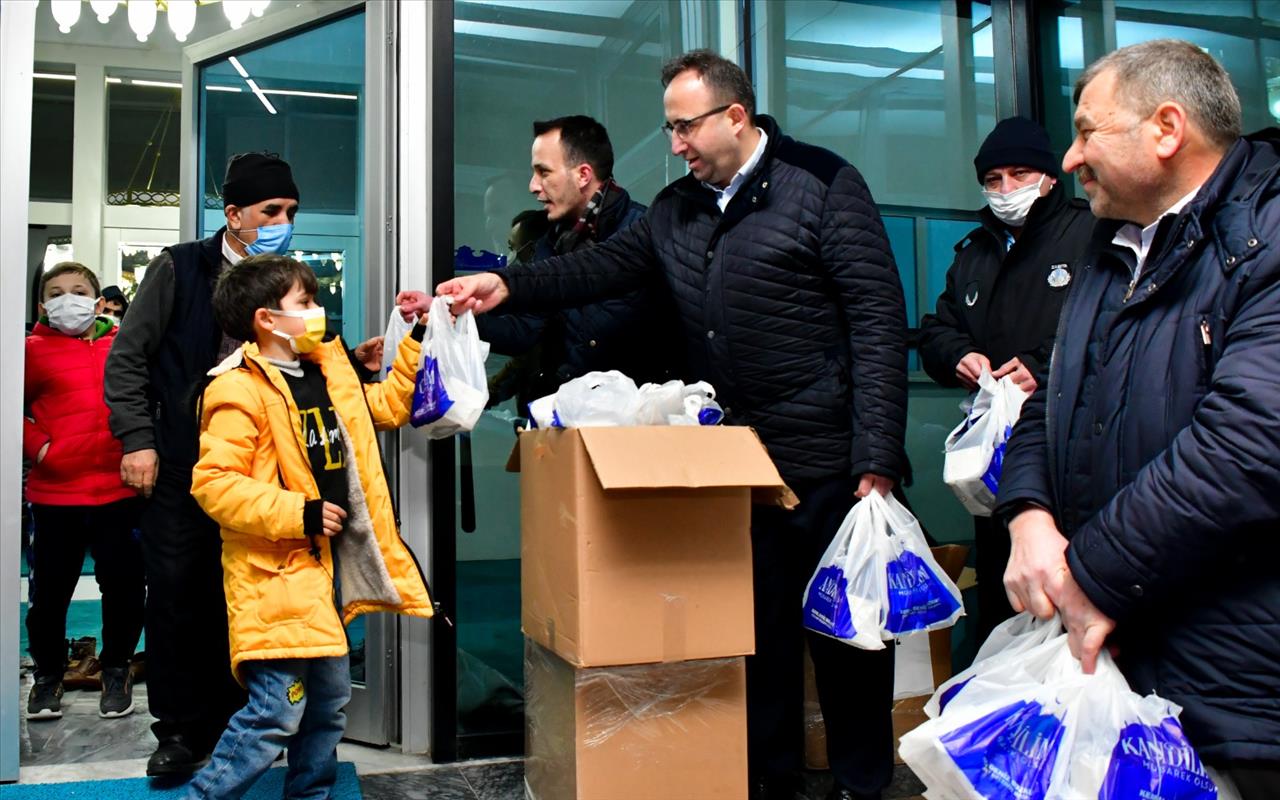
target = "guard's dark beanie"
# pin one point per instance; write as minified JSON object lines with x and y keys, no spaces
{"x":254,"y":177}
{"x":1016,"y":142}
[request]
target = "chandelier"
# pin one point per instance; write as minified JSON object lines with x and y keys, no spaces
{"x":142,"y":14}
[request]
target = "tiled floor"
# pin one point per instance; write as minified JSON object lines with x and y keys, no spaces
{"x":82,"y":746}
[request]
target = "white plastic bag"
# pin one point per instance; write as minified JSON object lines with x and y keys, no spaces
{"x":878,"y":580}
{"x":452,"y":387}
{"x":918,"y":595}
{"x":1010,"y":640}
{"x":975,"y":449}
{"x":843,"y":597}
{"x":611,"y":399}
{"x":600,"y":399}
{"x":397,"y":329}
{"x":1035,"y":727}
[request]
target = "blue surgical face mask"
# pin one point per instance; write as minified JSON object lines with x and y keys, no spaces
{"x":271,"y":239}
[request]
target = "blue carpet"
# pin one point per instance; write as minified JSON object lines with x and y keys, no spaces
{"x":270,"y":787}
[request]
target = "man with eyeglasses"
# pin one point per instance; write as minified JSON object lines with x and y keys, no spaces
{"x":572,"y":177}
{"x":791,"y":305}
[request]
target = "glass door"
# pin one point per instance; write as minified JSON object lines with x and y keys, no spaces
{"x":299,"y":92}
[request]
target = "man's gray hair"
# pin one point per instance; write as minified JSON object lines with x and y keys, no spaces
{"x":1163,"y":70}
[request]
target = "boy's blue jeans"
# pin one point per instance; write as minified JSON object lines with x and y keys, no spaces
{"x":295,"y":703}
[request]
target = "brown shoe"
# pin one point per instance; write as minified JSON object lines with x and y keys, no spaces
{"x":83,"y":669}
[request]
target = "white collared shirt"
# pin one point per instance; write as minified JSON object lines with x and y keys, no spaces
{"x":1138,"y":240}
{"x":228,"y":252}
{"x":723,"y":196}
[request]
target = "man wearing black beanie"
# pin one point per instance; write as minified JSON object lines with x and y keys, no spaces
{"x":164,"y":348}
{"x":999,"y":311}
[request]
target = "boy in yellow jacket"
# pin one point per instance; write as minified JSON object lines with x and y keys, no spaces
{"x":289,"y":468}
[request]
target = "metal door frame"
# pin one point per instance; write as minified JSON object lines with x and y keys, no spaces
{"x":17,"y":59}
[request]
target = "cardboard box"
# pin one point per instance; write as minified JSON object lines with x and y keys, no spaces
{"x":907,"y":712}
{"x":636,"y":732}
{"x":636,"y":543}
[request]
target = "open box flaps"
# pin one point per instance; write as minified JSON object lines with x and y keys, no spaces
{"x":678,"y":457}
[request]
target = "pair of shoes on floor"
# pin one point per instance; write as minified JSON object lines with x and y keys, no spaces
{"x":174,"y":757}
{"x":45,"y":699}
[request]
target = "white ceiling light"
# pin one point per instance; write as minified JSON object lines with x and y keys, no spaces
{"x":182,"y":18}
{"x":65,"y":13}
{"x":237,"y":11}
{"x":53,"y":76}
{"x":235,"y":62}
{"x":254,"y":88}
{"x":104,"y":9}
{"x":142,"y":18}
{"x":299,"y":93}
{"x":222,"y":89}
{"x":258,"y":6}
{"x":159,"y":84}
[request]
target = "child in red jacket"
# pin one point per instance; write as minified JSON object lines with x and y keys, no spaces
{"x":76,"y":495}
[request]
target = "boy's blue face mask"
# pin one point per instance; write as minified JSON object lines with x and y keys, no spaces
{"x":272,"y":239}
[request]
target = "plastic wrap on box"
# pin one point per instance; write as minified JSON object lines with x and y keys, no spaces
{"x":641,"y":731}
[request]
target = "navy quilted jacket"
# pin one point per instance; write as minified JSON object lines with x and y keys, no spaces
{"x":789,"y":302}
{"x":1156,"y":444}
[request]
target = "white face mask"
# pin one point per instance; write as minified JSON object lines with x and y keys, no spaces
{"x":1012,"y":208}
{"x":71,"y":313}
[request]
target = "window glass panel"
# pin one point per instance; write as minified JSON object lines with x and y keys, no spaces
{"x":1239,"y":33}
{"x":517,"y":62}
{"x":143,"y":120}
{"x":308,"y":110}
{"x":53,"y":103}
{"x":902,"y":89}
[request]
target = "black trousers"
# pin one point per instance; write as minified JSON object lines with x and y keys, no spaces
{"x":855,"y":687}
{"x":62,"y":535}
{"x":189,"y":683}
{"x":1256,"y":780}
{"x":992,"y":542}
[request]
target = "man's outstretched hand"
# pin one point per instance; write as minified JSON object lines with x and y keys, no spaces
{"x":479,"y":293}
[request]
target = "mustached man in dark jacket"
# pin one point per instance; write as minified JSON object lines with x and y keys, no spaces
{"x":791,"y":306}
{"x":1143,"y":483}
{"x":573,"y":180}
{"x":999,"y":311}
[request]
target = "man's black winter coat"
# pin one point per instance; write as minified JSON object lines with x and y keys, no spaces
{"x":999,"y":300}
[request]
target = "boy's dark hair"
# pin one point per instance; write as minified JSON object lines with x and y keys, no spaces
{"x":256,"y":282}
{"x":583,"y":140}
{"x":725,"y":78}
{"x":65,"y":267}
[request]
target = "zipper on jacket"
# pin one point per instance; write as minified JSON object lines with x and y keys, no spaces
{"x":1206,"y":340}
{"x":1133,"y":284}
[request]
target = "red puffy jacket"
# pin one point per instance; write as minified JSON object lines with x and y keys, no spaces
{"x":63,"y":398}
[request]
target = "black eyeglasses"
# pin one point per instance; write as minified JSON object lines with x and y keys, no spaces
{"x":683,"y":127}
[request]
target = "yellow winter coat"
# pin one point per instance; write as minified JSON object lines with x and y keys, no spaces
{"x":253,"y":478}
